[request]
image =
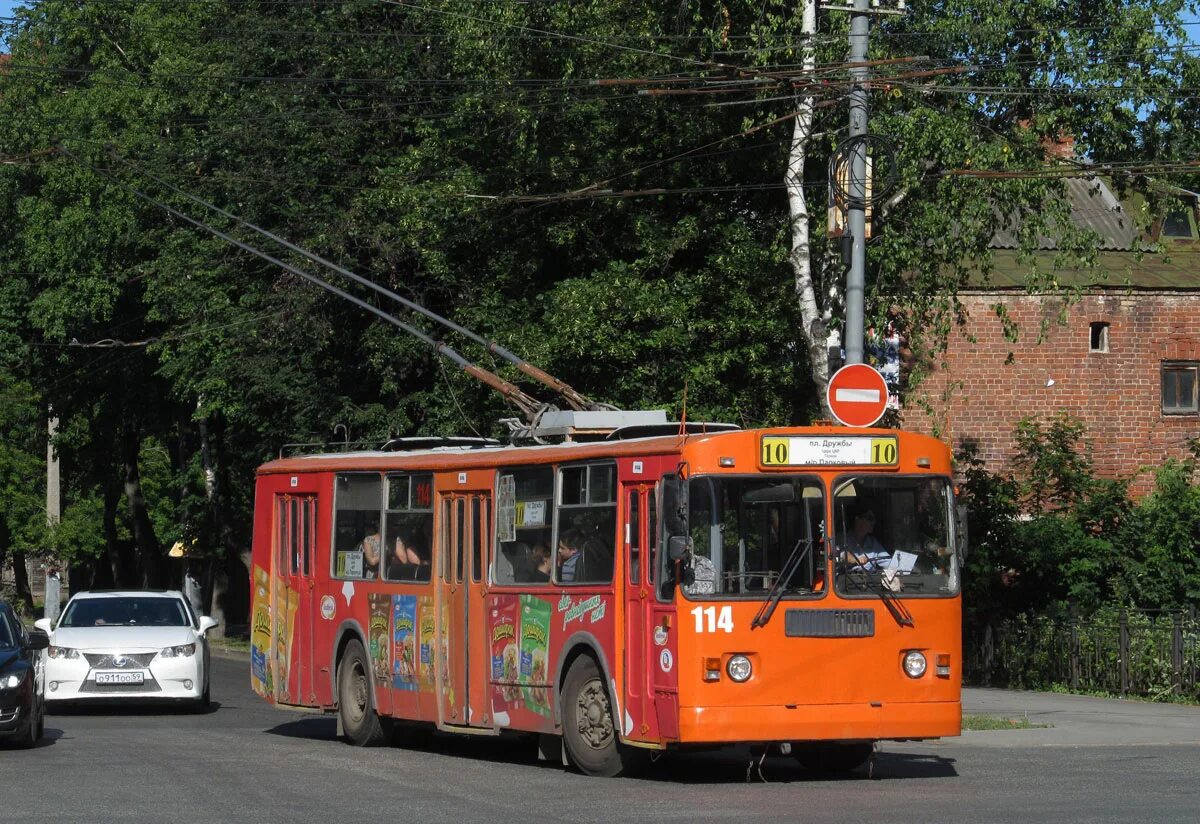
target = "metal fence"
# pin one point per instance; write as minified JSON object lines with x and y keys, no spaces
{"x":1153,"y":654}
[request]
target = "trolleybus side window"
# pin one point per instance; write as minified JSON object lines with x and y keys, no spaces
{"x":652,"y":534}
{"x":524,"y":520}
{"x":748,"y":532}
{"x":633,"y":535}
{"x":408,"y":528}
{"x":478,"y":525}
{"x":357,"y":526}
{"x":586,"y":524}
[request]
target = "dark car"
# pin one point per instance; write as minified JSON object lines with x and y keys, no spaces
{"x":22,"y":680}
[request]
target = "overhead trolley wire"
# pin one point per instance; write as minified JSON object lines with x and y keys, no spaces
{"x":573,"y":398}
{"x":529,"y":406}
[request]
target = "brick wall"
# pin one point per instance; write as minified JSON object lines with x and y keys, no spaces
{"x":979,"y":389}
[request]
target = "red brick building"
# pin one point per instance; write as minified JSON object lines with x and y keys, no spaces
{"x":1123,"y":356}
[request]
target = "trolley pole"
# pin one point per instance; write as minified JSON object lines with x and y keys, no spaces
{"x":856,"y":275}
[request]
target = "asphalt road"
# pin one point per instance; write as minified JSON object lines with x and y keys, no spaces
{"x":247,"y":762}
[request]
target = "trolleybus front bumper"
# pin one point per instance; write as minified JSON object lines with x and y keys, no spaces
{"x":820,"y":722}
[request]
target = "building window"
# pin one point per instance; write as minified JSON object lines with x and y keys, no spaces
{"x":1179,"y":388}
{"x":1099,"y":337}
{"x":1180,"y":223}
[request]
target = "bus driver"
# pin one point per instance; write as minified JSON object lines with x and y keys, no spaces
{"x":860,"y":548}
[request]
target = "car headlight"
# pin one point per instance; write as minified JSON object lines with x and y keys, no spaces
{"x":738,"y":667}
{"x":181,"y":651}
{"x":62,"y":652}
{"x":914,"y":663}
{"x":9,"y":682}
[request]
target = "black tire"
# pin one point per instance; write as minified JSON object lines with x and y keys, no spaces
{"x":589,"y":731}
{"x":202,"y":703}
{"x":28,"y":739}
{"x":41,"y":724}
{"x":356,"y":707}
{"x":833,"y":757}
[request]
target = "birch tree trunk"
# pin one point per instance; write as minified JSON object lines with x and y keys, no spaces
{"x":815,"y":327}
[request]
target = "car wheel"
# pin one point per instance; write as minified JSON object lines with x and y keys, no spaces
{"x":356,"y":708}
{"x":29,"y":738}
{"x":833,"y":757}
{"x":589,"y":733}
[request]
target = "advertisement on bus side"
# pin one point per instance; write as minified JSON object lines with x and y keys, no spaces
{"x":378,"y":634}
{"x":427,"y":622}
{"x":535,"y":642}
{"x":260,"y":634}
{"x":404,"y":642}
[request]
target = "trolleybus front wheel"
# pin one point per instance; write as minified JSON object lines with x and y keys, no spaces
{"x":832,"y":757}
{"x":588,"y":730}
{"x":356,"y":709}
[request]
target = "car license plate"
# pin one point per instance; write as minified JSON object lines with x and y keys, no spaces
{"x":120,"y":677}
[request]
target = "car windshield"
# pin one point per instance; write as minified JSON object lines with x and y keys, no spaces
{"x":123,"y":611}
{"x":6,"y":636}
{"x":745,"y":530}
{"x":895,"y":533}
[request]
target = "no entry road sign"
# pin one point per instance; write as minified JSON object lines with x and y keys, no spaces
{"x":857,"y":395}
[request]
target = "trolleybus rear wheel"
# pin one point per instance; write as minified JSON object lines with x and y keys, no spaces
{"x":588,"y":730}
{"x":833,"y":757}
{"x":356,"y":709}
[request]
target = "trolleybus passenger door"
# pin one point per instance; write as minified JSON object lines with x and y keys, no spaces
{"x":293,"y":598}
{"x":476,"y":660}
{"x":639,"y":596}
{"x":461,"y":625}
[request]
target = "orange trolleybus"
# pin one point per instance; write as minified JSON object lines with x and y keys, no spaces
{"x":795,"y":587}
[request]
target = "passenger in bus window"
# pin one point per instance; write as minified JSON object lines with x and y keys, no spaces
{"x":371,"y":547}
{"x":860,"y":548}
{"x":539,"y":563}
{"x":407,"y":562}
{"x":571,"y":563}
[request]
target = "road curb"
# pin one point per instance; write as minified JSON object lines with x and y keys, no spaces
{"x":226,"y":652}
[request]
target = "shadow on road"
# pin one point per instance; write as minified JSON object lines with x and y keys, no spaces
{"x":124,"y":707}
{"x":317,"y":727}
{"x":729,"y":765}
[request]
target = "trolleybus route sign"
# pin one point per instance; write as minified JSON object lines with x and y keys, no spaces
{"x":819,"y":450}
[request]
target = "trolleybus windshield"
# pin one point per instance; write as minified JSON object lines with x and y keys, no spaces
{"x":894,"y":534}
{"x":744,"y":529}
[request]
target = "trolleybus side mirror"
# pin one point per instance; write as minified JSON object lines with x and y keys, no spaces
{"x":960,"y":529}
{"x":677,"y":547}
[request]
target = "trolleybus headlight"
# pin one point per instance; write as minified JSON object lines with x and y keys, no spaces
{"x":738,"y":668}
{"x":914,"y":664}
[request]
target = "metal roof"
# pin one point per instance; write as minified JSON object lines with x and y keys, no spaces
{"x":1177,"y":269}
{"x":1094,"y":207}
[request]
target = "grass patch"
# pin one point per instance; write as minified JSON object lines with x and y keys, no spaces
{"x":999,"y":722}
{"x":230,"y":644}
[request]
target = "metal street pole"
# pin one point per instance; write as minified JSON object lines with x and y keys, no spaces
{"x":857,"y":207}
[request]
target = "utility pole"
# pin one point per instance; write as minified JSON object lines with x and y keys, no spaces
{"x":51,"y":596}
{"x":856,"y":223}
{"x":856,"y":192}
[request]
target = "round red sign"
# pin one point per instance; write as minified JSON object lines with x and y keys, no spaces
{"x":857,"y":395}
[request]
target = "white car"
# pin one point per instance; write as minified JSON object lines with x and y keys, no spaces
{"x":136,"y":645}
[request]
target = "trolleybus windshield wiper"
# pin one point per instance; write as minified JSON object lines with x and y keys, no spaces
{"x":894,"y":605}
{"x":785,"y":576}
